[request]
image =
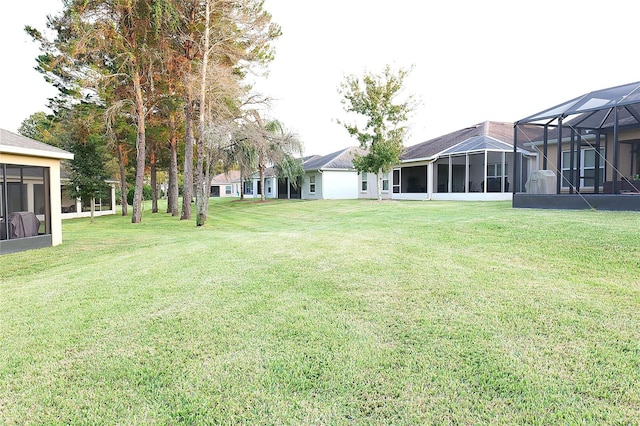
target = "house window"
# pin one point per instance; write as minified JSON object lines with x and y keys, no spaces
{"x":385,"y":182}
{"x":363,"y":188}
{"x":248,"y":187}
{"x":587,"y":171}
{"x":396,"y":181}
{"x":227,"y":190}
{"x":312,"y":184}
{"x":495,"y":170}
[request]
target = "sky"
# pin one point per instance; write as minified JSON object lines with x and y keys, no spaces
{"x":471,"y":61}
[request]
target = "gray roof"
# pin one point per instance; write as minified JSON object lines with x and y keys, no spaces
{"x":486,"y":133}
{"x":339,"y":160}
{"x":226,"y":177}
{"x":11,"y":143}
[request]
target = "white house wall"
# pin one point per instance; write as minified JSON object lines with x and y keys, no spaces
{"x":340,"y":185}
{"x":332,"y":185}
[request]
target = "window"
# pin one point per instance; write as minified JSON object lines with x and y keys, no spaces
{"x":587,"y":170}
{"x":312,"y":184}
{"x":396,"y":181}
{"x":385,"y":182}
{"x":227,"y":190}
{"x":495,"y":170}
{"x":248,"y":187}
{"x":363,"y":188}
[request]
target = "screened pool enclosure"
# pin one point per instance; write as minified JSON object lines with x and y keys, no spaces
{"x":590,"y":146}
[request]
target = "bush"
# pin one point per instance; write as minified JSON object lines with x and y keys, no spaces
{"x":147,"y":194}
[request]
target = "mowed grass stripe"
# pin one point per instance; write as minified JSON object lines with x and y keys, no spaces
{"x":327,"y":312}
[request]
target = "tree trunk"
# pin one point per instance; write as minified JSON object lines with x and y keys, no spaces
{"x":93,"y":208}
{"x":123,"y":181}
{"x":262,"y":191}
{"x":136,"y":216}
{"x":202,"y":193}
{"x":154,"y":179}
{"x":379,"y":184}
{"x":187,"y":188}
{"x":241,"y":186}
{"x":172,"y":195}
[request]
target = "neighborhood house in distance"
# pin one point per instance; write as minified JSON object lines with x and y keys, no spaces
{"x":470,"y":164}
{"x":584,"y":153}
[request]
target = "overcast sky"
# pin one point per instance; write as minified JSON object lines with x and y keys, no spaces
{"x":472,"y":61}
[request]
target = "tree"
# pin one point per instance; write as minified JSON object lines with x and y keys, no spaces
{"x":235,"y":38}
{"x":101,"y":40}
{"x":82,"y":135}
{"x":37,"y":127}
{"x":275,"y":146}
{"x":373,"y":98}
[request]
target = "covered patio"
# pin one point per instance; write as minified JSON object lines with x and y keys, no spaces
{"x":474,"y":163}
{"x":589,"y":151}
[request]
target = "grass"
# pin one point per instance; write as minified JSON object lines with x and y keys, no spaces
{"x":327,"y":312}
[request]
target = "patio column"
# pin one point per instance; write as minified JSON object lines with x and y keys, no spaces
{"x":450,"y":183}
{"x":466,"y":172}
{"x":616,"y":150}
{"x":504,"y":171}
{"x":515,"y":155}
{"x":596,"y":184}
{"x":559,"y":159}
{"x":545,"y":147}
{"x":486,"y":159}
{"x":572,"y":163}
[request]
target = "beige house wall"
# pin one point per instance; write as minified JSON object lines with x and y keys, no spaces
{"x":54,"y":187}
{"x":624,"y":154}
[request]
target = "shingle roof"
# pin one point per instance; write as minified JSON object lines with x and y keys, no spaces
{"x":503,"y":132}
{"x":339,"y":160}
{"x":226,"y":177}
{"x":11,"y":143}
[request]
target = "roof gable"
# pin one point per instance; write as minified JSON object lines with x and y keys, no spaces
{"x":486,"y":133}
{"x":11,"y":143}
{"x":339,"y":160}
{"x":226,"y":177}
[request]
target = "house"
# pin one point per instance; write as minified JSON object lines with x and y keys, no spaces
{"x":588,"y":150}
{"x":30,"y":193}
{"x":74,"y":207}
{"x":226,"y":184}
{"x":473,"y":163}
{"x":332,"y":176}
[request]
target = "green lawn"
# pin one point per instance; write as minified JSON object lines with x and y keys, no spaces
{"x":327,"y":312}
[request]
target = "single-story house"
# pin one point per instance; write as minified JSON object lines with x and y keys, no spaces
{"x":332,"y":176}
{"x":226,"y":184}
{"x":588,"y":150}
{"x":30,"y":197}
{"x":473,"y":163}
{"x":75,"y":207}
